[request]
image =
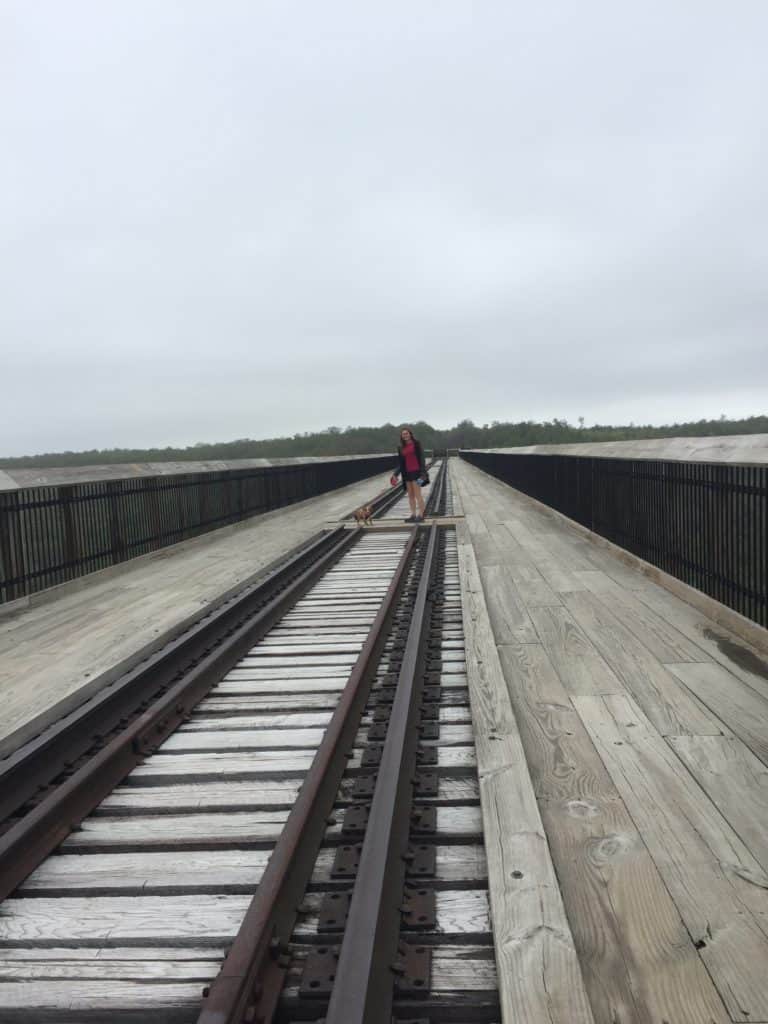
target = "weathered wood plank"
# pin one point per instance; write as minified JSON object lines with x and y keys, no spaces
{"x":539,"y":974}
{"x":270,"y":703}
{"x":666,"y":644}
{"x":671,"y":708}
{"x":738,"y":657}
{"x":509,"y":617}
{"x":555,"y":566}
{"x":736,"y":704}
{"x":244,"y":733}
{"x":736,"y":782}
{"x":35,"y":971}
{"x":575,"y":659}
{"x":187,"y":797}
{"x":183,"y":798}
{"x":129,"y":1002}
{"x":719,"y":888}
{"x":205,"y":717}
{"x":255,"y":826}
{"x":241,"y":712}
{"x":168,"y":768}
{"x":460,"y":912}
{"x":197,"y":920}
{"x":90,"y":954}
{"x":533,"y":588}
{"x":638,"y":960}
{"x":273,"y":673}
{"x":238,"y":739}
{"x":170,"y":920}
{"x":213,"y":871}
{"x":455,"y":968}
{"x":247,"y":686}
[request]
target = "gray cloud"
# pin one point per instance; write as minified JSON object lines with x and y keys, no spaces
{"x":273,"y":217}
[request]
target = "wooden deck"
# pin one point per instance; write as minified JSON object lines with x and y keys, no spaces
{"x":74,"y":639}
{"x":644,"y":727}
{"x":621,"y":744}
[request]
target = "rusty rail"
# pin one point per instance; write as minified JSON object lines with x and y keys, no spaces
{"x":363,"y":990}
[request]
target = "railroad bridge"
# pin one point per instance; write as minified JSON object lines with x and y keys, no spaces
{"x":261,"y":763}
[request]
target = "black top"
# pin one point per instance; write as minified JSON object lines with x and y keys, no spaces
{"x":400,"y":471}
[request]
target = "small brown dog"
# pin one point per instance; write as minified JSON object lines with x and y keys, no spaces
{"x":363,"y":515}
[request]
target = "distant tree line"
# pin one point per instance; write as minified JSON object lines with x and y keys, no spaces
{"x":364,"y":440}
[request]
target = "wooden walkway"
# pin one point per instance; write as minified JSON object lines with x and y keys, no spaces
{"x":645,"y":732}
{"x":74,"y":639}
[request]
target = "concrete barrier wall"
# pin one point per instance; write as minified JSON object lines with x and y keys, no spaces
{"x":744,"y":449}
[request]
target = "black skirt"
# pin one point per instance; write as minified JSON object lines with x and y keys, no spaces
{"x":413,"y":474}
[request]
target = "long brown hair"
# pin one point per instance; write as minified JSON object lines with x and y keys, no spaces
{"x":400,"y":442}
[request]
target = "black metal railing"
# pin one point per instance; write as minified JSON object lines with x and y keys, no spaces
{"x":52,"y":534}
{"x":705,"y":523}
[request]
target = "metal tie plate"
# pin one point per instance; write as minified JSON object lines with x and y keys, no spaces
{"x":413,"y":970}
{"x":363,"y":787}
{"x":424,"y":820}
{"x":372,"y":756}
{"x":355,"y":820}
{"x":319,"y":972}
{"x":420,"y":909}
{"x":346,"y":861}
{"x":421,"y":861}
{"x":426,"y":785}
{"x":334,"y":911}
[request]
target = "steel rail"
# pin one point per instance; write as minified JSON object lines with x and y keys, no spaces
{"x":38,"y":762}
{"x":363,"y":989}
{"x":382,"y":502}
{"x":251,"y":979}
{"x":438,"y":488}
{"x":26,"y":844}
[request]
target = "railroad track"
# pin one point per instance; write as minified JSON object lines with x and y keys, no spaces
{"x":287,"y":827}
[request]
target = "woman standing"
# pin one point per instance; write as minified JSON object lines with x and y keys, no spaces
{"x":412,"y":469}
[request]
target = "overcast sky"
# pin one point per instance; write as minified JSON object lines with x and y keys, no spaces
{"x":243,"y":219}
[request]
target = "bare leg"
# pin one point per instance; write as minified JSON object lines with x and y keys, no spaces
{"x":420,"y":499}
{"x":412,"y":489}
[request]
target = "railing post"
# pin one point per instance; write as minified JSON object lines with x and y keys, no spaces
{"x":71,"y":547}
{"x":116,"y":539}
{"x":11,"y":573}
